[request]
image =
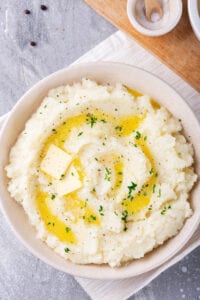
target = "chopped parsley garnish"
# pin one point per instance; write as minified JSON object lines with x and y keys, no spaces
{"x":154,"y":187}
{"x":96,"y":158}
{"x":145,"y":138}
{"x":124,"y":218}
{"x":49,"y":223}
{"x":108,"y":174}
{"x":67,"y":250}
{"x":62,"y":176}
{"x":68,"y":229}
{"x":53,"y":197}
{"x":131,"y":188}
{"x":118,"y":128}
{"x":159,"y":193}
{"x":163,"y":211}
{"x":93,"y":217}
{"x":80,"y":133}
{"x":120,"y":173}
{"x":115,"y":213}
{"x":72,"y":173}
{"x":91,"y":120}
{"x":54,"y":130}
{"x":101,"y":210}
{"x":103,"y":121}
{"x":151,"y":171}
{"x":138,"y":135}
{"x":93,"y":190}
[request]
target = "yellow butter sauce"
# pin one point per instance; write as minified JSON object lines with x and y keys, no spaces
{"x":81,"y":209}
{"x":52,"y":222}
{"x":142,"y":199}
{"x":128,"y":124}
{"x":133,"y":92}
{"x":118,"y":168}
{"x":61,"y":133}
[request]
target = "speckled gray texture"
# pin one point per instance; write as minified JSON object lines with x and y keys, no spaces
{"x":62,"y":33}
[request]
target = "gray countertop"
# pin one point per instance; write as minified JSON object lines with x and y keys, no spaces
{"x":64,"y":32}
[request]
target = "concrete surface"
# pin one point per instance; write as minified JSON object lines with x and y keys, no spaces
{"x":63,"y":32}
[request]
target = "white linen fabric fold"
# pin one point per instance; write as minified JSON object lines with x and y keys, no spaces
{"x":120,"y":48}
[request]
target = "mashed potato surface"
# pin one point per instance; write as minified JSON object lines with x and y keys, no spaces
{"x":102,"y":172}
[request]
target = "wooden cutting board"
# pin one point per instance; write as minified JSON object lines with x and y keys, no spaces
{"x":179,"y":49}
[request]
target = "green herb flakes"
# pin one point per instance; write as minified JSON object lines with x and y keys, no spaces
{"x":91,"y":120}
{"x":118,"y":128}
{"x":101,"y":210}
{"x":53,"y":197}
{"x":107,"y":174}
{"x":163,"y":212}
{"x":124,"y":218}
{"x":68,"y":229}
{"x":80,"y":133}
{"x":131,"y":188}
{"x":151,"y":171}
{"x":67,"y":250}
{"x":137,"y":135}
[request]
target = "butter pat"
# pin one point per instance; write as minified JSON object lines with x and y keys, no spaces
{"x":68,"y":184}
{"x":55,"y":162}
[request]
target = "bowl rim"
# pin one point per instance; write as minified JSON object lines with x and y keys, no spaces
{"x":24,"y":241}
{"x":149,"y":32}
{"x":194,"y":16}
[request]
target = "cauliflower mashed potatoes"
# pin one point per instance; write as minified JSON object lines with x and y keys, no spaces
{"x":102,"y":172}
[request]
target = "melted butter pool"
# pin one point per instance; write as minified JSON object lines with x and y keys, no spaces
{"x":143,"y":197}
{"x":52,"y":222}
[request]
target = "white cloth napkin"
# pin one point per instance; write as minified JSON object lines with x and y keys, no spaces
{"x":120,"y":48}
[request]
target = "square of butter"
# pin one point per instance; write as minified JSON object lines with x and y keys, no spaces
{"x":56,"y":162}
{"x":69,"y":184}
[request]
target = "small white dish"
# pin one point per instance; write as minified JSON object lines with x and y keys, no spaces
{"x":172,"y":12}
{"x":194,"y":15}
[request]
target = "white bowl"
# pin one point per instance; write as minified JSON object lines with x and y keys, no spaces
{"x":194,"y":15}
{"x":169,"y":22}
{"x":102,"y":72}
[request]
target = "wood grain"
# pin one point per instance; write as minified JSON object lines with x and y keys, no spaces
{"x":179,"y":49}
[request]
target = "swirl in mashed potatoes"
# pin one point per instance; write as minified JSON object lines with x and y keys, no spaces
{"x":102,"y":172}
